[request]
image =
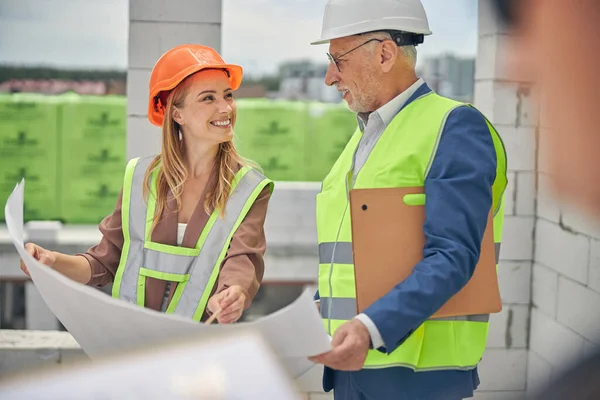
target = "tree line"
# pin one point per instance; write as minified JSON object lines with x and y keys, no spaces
{"x":8,"y":73}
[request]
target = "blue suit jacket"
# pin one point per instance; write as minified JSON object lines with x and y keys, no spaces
{"x":459,"y":197}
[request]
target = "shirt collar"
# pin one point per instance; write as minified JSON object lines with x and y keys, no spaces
{"x":388,"y":111}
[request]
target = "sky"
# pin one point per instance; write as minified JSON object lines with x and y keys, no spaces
{"x":259,"y":34}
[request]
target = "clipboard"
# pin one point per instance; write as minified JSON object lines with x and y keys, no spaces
{"x":388,"y":241}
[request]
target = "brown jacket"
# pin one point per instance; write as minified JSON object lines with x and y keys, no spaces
{"x":243,"y":264}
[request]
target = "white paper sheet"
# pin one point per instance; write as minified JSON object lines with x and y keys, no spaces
{"x":236,"y":366}
{"x":103,"y":325}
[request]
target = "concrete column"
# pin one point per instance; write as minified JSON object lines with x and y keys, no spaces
{"x":506,"y":103}
{"x":154,"y":27}
{"x":37,"y":314}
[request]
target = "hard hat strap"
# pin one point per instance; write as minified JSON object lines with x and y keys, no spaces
{"x":158,"y":105}
{"x":406,"y":38}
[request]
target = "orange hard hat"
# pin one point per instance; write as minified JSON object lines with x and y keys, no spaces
{"x":176,"y":65}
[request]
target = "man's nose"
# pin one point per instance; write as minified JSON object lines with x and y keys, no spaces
{"x":332,"y":75}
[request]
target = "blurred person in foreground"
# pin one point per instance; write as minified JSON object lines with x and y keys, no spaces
{"x":186,"y":236}
{"x":407,"y":136}
{"x":555,"y":45}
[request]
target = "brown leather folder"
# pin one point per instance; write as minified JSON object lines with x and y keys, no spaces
{"x":388,"y":240}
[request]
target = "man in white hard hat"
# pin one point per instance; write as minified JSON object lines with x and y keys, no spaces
{"x":407,"y":136}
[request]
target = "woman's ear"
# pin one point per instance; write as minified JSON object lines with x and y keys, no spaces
{"x":177,"y":116}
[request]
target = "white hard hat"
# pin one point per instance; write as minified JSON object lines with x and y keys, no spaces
{"x":351,"y":17}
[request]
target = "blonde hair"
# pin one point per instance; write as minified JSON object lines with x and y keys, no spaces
{"x":172,"y":172}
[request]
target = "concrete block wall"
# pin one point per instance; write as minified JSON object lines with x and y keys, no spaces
{"x":564,"y":265}
{"x":154,"y":27}
{"x":565,"y":285}
{"x":506,"y":104}
{"x":291,"y":232}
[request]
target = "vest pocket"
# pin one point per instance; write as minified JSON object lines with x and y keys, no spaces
{"x":414,"y":199}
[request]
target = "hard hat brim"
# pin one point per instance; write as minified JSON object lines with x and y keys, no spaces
{"x":364,"y":27}
{"x":321,"y":41}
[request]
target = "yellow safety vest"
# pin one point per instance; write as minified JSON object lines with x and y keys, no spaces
{"x":401,"y":158}
{"x":195,"y":270}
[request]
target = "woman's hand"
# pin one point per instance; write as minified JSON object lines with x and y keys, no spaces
{"x":231,"y":301}
{"x":44,"y":256}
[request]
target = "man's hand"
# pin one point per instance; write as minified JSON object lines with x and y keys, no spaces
{"x":350,"y":347}
{"x":231,"y":301}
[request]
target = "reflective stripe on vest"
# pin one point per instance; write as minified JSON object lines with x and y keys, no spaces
{"x":217,"y":242}
{"x":345,"y":307}
{"x":412,"y":136}
{"x":195,"y":270}
{"x":343,"y":252}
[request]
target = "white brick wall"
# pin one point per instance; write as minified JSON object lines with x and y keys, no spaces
{"x":555,"y":273}
{"x":562,"y":251}
{"x":544,"y":289}
{"x":594,"y":272}
{"x":154,"y":27}
{"x":576,"y":308}
{"x":520,"y":192}
{"x":492,"y":63}
{"x":544,"y":159}
{"x":546,"y":333}
{"x":503,"y":370}
{"x":508,"y":329}
{"x":539,"y":372}
{"x":510,"y":194}
{"x":517,"y":234}
{"x":506,"y":104}
{"x":514,"y":279}
{"x":576,"y":221}
{"x":565,"y":286}
{"x":519,"y":144}
{"x":509,"y":102}
{"x":547,"y":205}
{"x":525,"y":183}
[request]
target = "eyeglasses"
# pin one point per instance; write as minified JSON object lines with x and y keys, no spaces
{"x":335,"y":61}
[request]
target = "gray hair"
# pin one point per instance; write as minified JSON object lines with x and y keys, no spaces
{"x":410,"y":52}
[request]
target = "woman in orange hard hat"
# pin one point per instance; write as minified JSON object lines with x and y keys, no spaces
{"x":186,"y":236}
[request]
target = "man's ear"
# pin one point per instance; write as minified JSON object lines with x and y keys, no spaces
{"x":389,"y":54}
{"x":177,"y":116}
